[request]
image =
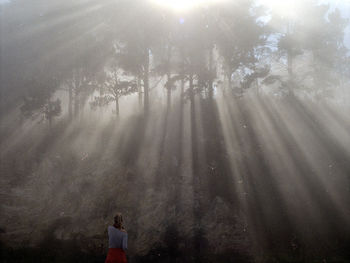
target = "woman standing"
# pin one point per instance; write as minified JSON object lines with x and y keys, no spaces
{"x":118,"y":241}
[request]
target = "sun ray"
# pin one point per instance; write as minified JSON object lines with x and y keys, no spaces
{"x":183,"y":5}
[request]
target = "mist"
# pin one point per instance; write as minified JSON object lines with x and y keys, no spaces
{"x":219,"y":129}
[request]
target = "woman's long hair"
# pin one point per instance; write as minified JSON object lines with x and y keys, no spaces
{"x":118,"y":221}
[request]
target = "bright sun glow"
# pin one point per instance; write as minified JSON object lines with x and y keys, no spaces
{"x":281,"y":7}
{"x":182,"y":5}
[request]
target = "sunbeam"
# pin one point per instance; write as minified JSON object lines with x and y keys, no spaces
{"x":174,"y":131}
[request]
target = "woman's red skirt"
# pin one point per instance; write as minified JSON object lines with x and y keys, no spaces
{"x":116,"y":255}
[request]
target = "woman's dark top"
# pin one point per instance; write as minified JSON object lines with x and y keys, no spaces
{"x":117,"y":238}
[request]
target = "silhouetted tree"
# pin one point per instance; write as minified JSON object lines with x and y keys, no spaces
{"x":115,"y":85}
{"x":239,"y":35}
{"x":316,"y":34}
{"x":38,"y":100}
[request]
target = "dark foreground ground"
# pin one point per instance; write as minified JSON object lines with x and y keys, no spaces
{"x":254,"y":180}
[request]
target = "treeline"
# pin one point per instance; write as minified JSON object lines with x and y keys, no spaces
{"x":116,"y":48}
{"x":241,"y":179}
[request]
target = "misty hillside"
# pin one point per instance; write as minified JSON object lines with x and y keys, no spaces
{"x":219,"y":129}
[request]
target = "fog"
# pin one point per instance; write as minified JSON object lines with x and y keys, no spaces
{"x":219,"y":129}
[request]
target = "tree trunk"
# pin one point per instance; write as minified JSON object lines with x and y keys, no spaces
{"x":193,"y":124}
{"x":257,"y":87}
{"x":227,"y":83}
{"x":146,"y":81}
{"x":290,"y":63}
{"x":168,"y":79}
{"x":49,"y":112}
{"x":198,"y":233}
{"x":168,"y":93}
{"x":70,"y":102}
{"x":139,"y":90}
{"x":290,"y":72}
{"x":117,"y":106}
{"x":179,"y":158}
{"x":211,"y":74}
{"x":76,"y":104}
{"x":182,"y":92}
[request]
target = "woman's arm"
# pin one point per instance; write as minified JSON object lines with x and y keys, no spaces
{"x":125,"y":242}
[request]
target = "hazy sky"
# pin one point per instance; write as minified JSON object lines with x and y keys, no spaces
{"x":343,"y":5}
